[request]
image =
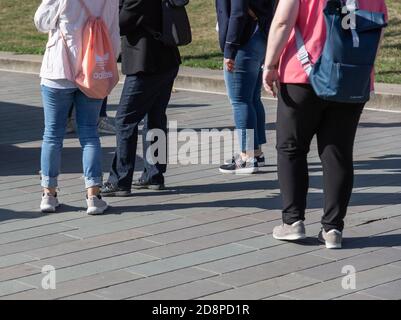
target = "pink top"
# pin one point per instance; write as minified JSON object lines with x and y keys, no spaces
{"x":312,"y":25}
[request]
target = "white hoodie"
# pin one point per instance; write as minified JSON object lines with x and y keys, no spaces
{"x":70,"y":17}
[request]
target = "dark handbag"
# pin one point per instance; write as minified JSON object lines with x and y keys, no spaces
{"x":178,"y":3}
{"x":176,"y":29}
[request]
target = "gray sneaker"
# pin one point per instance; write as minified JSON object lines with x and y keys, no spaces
{"x":106,"y":125}
{"x":96,"y":205}
{"x":49,"y":203}
{"x":332,"y":239}
{"x":295,"y":231}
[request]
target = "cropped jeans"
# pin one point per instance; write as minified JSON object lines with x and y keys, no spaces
{"x":244,"y":86}
{"x":56,"y":105}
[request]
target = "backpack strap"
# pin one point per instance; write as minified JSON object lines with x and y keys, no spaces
{"x":303,"y":55}
{"x":69,"y":56}
{"x":104,"y":7}
{"x":352,"y":6}
{"x":87,"y":11}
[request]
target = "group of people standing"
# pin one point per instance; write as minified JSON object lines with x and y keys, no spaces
{"x":258,"y":40}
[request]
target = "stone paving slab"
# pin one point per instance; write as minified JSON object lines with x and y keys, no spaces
{"x":208,"y":236}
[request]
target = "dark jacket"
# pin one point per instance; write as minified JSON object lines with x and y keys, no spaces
{"x":140,"y":51}
{"x":236,"y":26}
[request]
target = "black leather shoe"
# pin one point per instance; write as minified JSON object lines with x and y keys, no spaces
{"x":111,"y":190}
{"x":142,"y":184}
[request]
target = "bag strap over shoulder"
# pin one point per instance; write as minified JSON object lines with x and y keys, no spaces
{"x":104,"y":7}
{"x":303,"y":55}
{"x":352,"y":5}
{"x":87,"y":11}
{"x":70,"y":60}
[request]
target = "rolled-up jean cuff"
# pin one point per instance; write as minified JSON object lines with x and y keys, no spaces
{"x":93,"y":182}
{"x":49,"y":182}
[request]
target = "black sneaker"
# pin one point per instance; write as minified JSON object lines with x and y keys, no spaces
{"x":142,"y":184}
{"x":260,"y":160}
{"x":241,"y":167}
{"x":111,"y":190}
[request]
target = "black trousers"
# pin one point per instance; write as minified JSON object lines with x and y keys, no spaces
{"x":300,"y":116}
{"x":143,"y":95}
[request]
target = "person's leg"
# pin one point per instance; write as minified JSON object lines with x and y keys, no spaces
{"x":71,"y":121}
{"x":138,"y":96}
{"x":87,"y":112}
{"x":103,"y":110}
{"x":298,"y":116}
{"x":157,"y":119}
{"x":336,"y":137}
{"x":260,"y":130}
{"x":105,"y":124}
{"x":241,"y":84}
{"x":56,"y":106}
{"x":70,"y":112}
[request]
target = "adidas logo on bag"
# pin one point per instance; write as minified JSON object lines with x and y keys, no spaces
{"x":102,"y":75}
{"x":101,"y":61}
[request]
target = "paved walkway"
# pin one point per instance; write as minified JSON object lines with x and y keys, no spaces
{"x":208,"y":236}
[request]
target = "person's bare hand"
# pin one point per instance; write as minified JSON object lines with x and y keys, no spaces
{"x":229,"y":64}
{"x":271,"y":81}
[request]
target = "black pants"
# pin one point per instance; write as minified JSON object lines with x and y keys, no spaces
{"x":143,"y":95}
{"x":301,"y":115}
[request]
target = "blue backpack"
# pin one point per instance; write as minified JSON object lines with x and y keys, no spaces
{"x":343,"y":71}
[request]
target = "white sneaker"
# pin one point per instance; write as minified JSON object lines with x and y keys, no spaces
{"x":106,"y":125}
{"x":49,"y":203}
{"x":96,"y":205}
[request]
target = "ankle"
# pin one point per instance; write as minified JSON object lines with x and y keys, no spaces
{"x":248,"y":155}
{"x":50,"y":191}
{"x":258,"y":152}
{"x":244,"y":156}
{"x":93,"y":191}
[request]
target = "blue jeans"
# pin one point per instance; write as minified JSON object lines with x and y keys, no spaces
{"x":56,"y":105}
{"x":244,"y":87}
{"x":103,"y":110}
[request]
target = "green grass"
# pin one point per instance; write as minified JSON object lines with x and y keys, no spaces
{"x":389,"y":64}
{"x":18,"y":34}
